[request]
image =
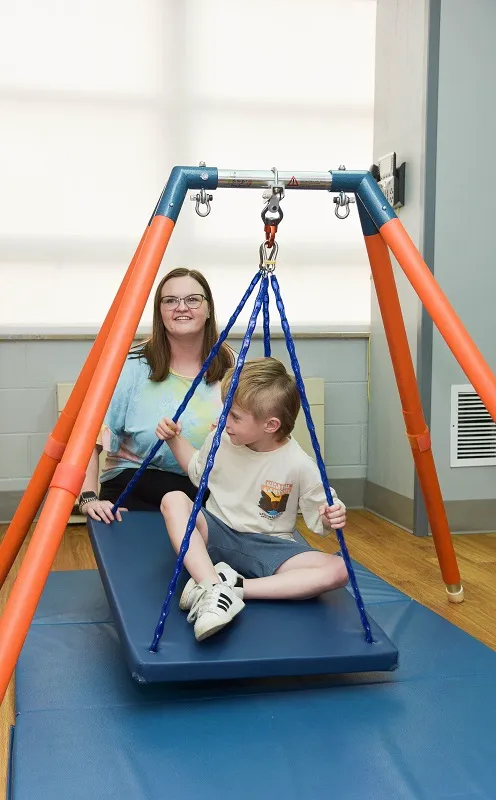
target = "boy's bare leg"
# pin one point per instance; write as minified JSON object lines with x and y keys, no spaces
{"x":300,"y":577}
{"x":176,"y":509}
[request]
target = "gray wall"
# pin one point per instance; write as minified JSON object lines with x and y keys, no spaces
{"x":435,"y":106}
{"x":30,"y":370}
{"x":465,"y":260}
{"x":399,"y":121}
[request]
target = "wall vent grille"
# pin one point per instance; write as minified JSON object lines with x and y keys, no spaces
{"x":473,"y":431}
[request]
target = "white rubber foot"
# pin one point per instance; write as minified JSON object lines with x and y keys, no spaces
{"x":457,"y":596}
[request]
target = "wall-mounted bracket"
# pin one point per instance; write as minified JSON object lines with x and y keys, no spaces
{"x":391,"y":179}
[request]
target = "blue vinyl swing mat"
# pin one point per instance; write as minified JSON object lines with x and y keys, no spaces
{"x":324,"y":635}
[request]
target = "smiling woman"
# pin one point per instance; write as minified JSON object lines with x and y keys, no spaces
{"x":152,"y":384}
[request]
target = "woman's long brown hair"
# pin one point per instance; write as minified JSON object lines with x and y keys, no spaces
{"x":156,"y":349}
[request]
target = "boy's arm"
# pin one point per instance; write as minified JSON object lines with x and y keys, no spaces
{"x":182,"y":450}
{"x":198,"y":460}
{"x":333,"y":517}
{"x":318,"y":515}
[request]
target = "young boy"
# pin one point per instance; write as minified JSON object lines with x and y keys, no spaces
{"x":259,"y":479}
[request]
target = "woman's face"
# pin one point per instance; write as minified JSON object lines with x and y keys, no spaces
{"x":186,"y":316}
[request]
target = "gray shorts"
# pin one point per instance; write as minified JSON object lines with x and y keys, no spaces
{"x":253,"y":555}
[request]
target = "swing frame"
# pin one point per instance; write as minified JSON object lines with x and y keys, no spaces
{"x":62,"y":467}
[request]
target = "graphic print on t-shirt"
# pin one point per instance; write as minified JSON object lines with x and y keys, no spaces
{"x":274,"y":498}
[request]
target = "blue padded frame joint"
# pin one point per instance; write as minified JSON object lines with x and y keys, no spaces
{"x":378,"y":208}
{"x":369,"y":228}
{"x":180,"y":181}
{"x":157,"y":204}
{"x":366,"y":189}
{"x":347,"y":180}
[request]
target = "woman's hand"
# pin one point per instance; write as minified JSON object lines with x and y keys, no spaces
{"x":167,"y":429}
{"x":101,"y":511}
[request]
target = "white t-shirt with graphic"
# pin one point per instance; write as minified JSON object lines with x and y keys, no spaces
{"x":255,"y":492}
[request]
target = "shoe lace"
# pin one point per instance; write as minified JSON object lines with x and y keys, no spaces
{"x":201,"y":590}
{"x":208,"y":600}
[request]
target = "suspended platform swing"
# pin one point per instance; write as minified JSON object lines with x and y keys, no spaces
{"x":284,"y":638}
{"x":322,"y":635}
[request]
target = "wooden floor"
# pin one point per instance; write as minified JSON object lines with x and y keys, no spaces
{"x":406,"y":562}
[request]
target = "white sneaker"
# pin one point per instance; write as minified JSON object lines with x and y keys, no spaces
{"x":214,"y":608}
{"x":225,"y":573}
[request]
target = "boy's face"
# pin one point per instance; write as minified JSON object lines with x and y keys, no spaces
{"x":244,"y":429}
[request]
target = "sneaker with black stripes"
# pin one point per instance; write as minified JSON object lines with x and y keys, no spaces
{"x":213,"y":609}
{"x":227,"y":575}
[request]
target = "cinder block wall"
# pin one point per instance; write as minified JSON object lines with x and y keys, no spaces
{"x":31,"y":368}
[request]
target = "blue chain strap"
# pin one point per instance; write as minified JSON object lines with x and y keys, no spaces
{"x":320,"y":463}
{"x":266,"y":324}
{"x":209,"y":464}
{"x":189,"y":394}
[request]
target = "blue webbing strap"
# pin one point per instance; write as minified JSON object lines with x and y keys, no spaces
{"x":320,"y":463}
{"x":209,"y":464}
{"x":266,"y":324}
{"x":189,"y":394}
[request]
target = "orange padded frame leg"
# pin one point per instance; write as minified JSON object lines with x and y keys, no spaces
{"x":69,"y":475}
{"x":57,"y":440}
{"x":416,"y":427}
{"x":436,"y":304}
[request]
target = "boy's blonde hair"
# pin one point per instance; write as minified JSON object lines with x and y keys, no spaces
{"x":266,"y":389}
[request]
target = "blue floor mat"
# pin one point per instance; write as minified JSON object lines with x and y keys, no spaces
{"x":323,"y":635}
{"x":43,"y":681}
{"x":401,"y":741}
{"x":85,"y":729}
{"x":10,"y":768}
{"x":83,"y":600}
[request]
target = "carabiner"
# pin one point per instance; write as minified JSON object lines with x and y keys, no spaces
{"x":268,"y":260}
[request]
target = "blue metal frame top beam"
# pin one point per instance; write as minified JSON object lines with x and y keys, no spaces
{"x":361,"y":182}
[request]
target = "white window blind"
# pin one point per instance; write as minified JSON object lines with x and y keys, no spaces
{"x":98,"y":100}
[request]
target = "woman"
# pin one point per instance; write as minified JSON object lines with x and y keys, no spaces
{"x":152,"y":384}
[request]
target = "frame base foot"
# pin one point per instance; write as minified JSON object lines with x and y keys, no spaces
{"x":455,"y":593}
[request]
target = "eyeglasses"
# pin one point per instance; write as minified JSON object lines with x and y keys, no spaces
{"x":191,"y":301}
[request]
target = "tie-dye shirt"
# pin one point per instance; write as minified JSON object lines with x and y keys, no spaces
{"x":128,"y":433}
